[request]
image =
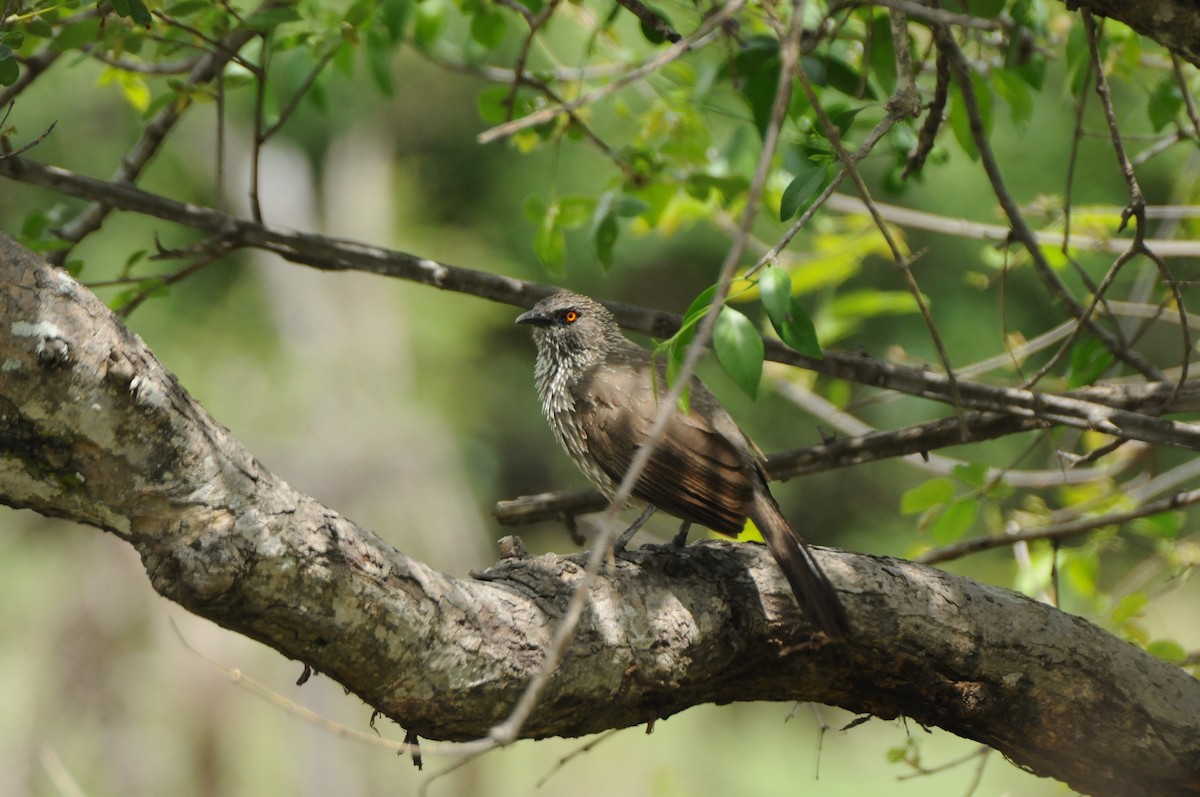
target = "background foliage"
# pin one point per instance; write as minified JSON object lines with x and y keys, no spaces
{"x":412,"y":410}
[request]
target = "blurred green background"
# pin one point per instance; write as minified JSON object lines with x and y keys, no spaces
{"x":412,"y":411}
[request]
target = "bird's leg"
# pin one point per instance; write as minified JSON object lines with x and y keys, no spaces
{"x":680,"y":539}
{"x":628,"y":533}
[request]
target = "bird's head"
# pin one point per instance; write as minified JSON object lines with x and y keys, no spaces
{"x":572,"y":328}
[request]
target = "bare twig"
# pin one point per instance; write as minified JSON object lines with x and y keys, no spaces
{"x":901,"y":260}
{"x":153,"y":135}
{"x":963,"y":228}
{"x":536,"y":21}
{"x":709,"y":27}
{"x":1105,"y":408}
{"x":1058,"y":531}
{"x":1020,"y":229}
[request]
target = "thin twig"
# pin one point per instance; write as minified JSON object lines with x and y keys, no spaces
{"x":1057,"y":531}
{"x":964,"y":228}
{"x":300,"y":93}
{"x":535,"y":24}
{"x":1106,"y":408}
{"x":710,"y":25}
{"x":155,"y":132}
{"x":1020,"y":229}
{"x":901,"y":260}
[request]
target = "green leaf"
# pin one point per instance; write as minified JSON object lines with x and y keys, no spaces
{"x":1164,"y":104}
{"x":960,"y":124}
{"x":187,"y":8}
{"x":1081,"y":569}
{"x":1129,"y":607}
{"x":1079,"y":57}
{"x":74,"y":36}
{"x":988,"y":9}
{"x":801,"y":191}
{"x":1167,"y":650}
{"x":378,"y":51}
{"x":395,"y":14}
{"x":358,"y":13}
{"x":842,"y":118}
{"x":604,"y":236}
{"x":431,"y":15}
{"x":550,"y":244}
{"x":691,"y":319}
{"x":1015,"y":92}
{"x":629,"y":206}
{"x":574,"y":211}
{"x":756,"y":66}
{"x":1164,"y":525}
{"x":535,"y":208}
{"x":868,"y":303}
{"x":652,"y":34}
{"x":789,"y":318}
{"x":271,"y":17}
{"x":775,"y":287}
{"x":739,"y":349}
{"x":1089,"y":360}
{"x":831,"y":71}
{"x":800,"y":333}
{"x":9,"y":71}
{"x":883,"y":52}
{"x":491,"y":104}
{"x":133,"y":9}
{"x":954,"y":521}
{"x":488,"y":27}
{"x":973,"y":474}
{"x":933,"y":493}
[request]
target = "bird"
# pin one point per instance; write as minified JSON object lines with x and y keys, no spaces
{"x":600,"y":393}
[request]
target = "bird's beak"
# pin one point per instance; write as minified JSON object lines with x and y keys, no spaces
{"x":534,"y":317}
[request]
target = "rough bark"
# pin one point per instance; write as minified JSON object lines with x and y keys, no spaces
{"x":94,"y":429}
{"x":1175,"y":24}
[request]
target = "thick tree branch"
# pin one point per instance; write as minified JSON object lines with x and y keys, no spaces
{"x":92,"y":428}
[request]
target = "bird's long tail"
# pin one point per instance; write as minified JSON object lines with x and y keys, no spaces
{"x":816,"y":595}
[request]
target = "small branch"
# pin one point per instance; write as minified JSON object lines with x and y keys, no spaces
{"x":827,"y":195}
{"x":1020,"y":230}
{"x":153,"y":135}
{"x":907,"y":100}
{"x":964,"y":228}
{"x":1104,"y":408}
{"x":898,"y":257}
{"x":7,"y":152}
{"x":928,"y":13}
{"x":710,"y":26}
{"x":300,"y":93}
{"x":927,"y":136}
{"x":1057,"y":531}
{"x":535,"y":24}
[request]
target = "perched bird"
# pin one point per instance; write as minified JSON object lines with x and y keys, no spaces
{"x":600,"y":392}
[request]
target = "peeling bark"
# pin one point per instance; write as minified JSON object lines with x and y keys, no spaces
{"x":94,"y":429}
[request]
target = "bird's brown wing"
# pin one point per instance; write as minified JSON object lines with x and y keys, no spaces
{"x":695,"y":473}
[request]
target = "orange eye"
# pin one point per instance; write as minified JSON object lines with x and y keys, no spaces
{"x":570,"y":316}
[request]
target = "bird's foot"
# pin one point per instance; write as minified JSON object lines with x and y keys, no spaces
{"x":680,"y":538}
{"x":633,"y":529}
